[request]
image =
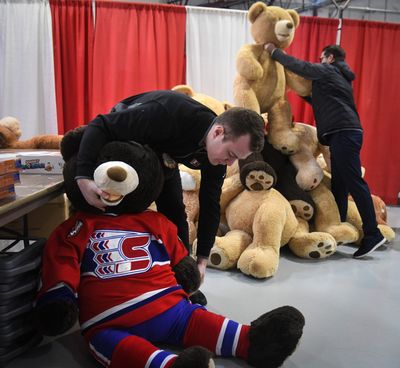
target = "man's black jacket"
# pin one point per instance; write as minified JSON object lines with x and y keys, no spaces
{"x":169,"y":122}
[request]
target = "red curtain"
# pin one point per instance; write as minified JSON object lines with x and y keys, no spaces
{"x":137,"y":48}
{"x":312,"y":35}
{"x":73,"y":44}
{"x":373,"y":53}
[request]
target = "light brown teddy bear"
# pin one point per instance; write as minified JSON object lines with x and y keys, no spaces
{"x":261,"y":82}
{"x":10,"y":132}
{"x":261,"y":222}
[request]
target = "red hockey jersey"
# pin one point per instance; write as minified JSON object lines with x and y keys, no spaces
{"x":120,"y":266}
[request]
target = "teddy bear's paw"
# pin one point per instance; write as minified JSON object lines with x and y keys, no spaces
{"x":194,"y":357}
{"x":345,"y":233}
{"x":315,"y":245}
{"x":259,"y":262}
{"x":302,"y":209}
{"x":56,"y":317}
{"x":257,"y":180}
{"x":284,"y":140}
{"x":227,"y":249}
{"x":387,"y":232}
{"x":309,"y":182}
{"x":274,"y":336}
{"x":220,"y":260}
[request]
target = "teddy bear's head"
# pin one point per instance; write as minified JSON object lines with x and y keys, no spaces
{"x":129,"y":172}
{"x":10,"y":131}
{"x":213,"y":104}
{"x":273,"y":24}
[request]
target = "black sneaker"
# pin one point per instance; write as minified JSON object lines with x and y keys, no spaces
{"x":368,"y":245}
{"x":198,"y":298}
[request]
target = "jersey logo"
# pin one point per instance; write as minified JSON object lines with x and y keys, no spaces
{"x":120,"y":253}
{"x":75,"y":230}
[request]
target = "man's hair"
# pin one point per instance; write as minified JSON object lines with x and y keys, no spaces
{"x":238,"y":121}
{"x":338,"y":53}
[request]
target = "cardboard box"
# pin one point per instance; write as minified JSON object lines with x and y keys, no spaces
{"x":9,"y":163}
{"x":43,"y":220}
{"x":41,"y":162}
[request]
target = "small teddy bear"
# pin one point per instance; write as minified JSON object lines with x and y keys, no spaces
{"x":10,"y":132}
{"x":128,"y":277}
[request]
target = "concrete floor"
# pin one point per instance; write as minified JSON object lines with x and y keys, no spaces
{"x":350,"y":307}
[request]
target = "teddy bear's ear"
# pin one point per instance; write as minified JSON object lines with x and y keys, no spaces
{"x":255,"y":10}
{"x":227,"y":105}
{"x":295,"y":16}
{"x":183,"y":88}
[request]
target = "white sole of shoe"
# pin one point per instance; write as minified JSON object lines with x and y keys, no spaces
{"x":383,"y":241}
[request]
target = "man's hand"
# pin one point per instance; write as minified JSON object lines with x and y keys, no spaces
{"x":270,"y":47}
{"x":202,"y":265}
{"x":92,"y":194}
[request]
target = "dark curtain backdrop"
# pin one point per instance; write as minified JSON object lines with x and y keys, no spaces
{"x":72,"y":22}
{"x":372,"y":55}
{"x":137,"y":48}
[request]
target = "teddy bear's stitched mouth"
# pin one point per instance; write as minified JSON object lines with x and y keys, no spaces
{"x":114,"y":198}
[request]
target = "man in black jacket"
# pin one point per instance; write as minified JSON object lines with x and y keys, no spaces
{"x":190,"y":133}
{"x":339,"y":127}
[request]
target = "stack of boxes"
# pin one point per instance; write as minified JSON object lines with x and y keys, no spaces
{"x":19,"y":280}
{"x":9,"y":175}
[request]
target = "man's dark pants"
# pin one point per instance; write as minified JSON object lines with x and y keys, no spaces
{"x":345,"y":149}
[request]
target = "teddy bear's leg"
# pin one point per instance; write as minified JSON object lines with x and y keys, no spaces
{"x":309,"y":173}
{"x":269,"y":340}
{"x":281,"y":134}
{"x":315,"y":245}
{"x":244,"y":95}
{"x":327,"y":218}
{"x":261,"y":258}
{"x":300,"y":200}
{"x":227,"y":249}
{"x":274,"y":337}
{"x":119,"y":349}
{"x":354,"y":218}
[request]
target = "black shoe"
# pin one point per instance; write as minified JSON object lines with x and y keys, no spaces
{"x":369,"y":244}
{"x":198,"y":298}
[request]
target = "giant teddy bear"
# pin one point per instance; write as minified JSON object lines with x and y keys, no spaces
{"x":261,"y":82}
{"x":93,"y":259}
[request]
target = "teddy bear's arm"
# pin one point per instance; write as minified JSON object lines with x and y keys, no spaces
{"x":187,"y":274}
{"x":62,"y":255}
{"x":299,"y":85}
{"x":248,"y":65}
{"x":56,"y":308}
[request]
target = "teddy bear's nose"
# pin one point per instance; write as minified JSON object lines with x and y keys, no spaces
{"x":117,"y":173}
{"x":289,"y":25}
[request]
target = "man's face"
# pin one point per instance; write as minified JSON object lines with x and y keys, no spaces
{"x":326,"y":59}
{"x":222,"y":151}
